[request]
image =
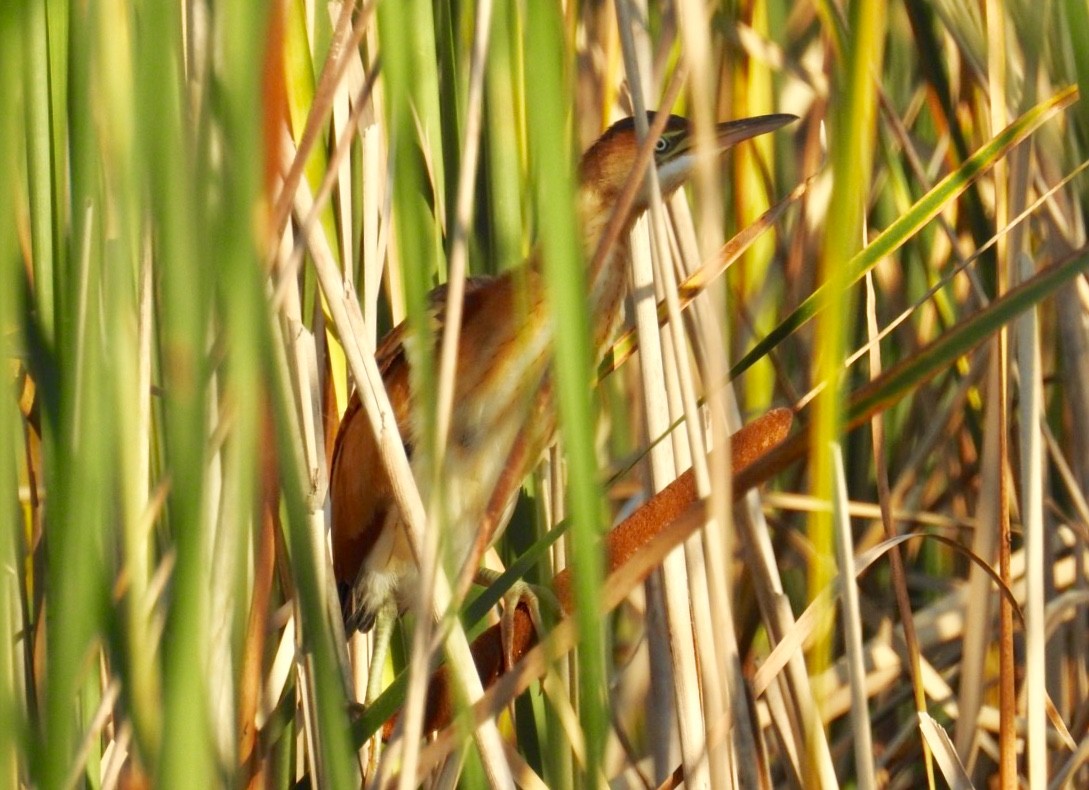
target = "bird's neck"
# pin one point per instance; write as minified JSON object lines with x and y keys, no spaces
{"x":608,"y":280}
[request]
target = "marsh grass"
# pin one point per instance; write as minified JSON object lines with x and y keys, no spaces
{"x":213,"y":210}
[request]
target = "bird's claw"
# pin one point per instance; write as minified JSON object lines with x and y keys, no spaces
{"x":520,"y":592}
{"x":531,"y":595}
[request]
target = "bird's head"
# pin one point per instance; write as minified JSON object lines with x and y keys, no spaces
{"x":607,"y":164}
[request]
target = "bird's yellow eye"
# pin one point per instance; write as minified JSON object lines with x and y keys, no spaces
{"x":661,"y":146}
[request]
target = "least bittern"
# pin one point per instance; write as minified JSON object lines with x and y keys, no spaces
{"x":501,"y":419}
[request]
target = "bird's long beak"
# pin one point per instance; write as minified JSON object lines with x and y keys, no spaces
{"x":730,"y":133}
{"x":674,"y":172}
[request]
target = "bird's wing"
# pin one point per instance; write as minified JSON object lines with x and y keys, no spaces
{"x":361,"y":493}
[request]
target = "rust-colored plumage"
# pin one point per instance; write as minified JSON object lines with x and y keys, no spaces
{"x":501,"y":420}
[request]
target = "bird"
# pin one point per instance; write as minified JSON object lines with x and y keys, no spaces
{"x":502,"y":417}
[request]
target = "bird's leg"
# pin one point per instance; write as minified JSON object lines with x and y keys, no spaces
{"x":384,"y":622}
{"x":520,"y":592}
{"x":383,"y":633}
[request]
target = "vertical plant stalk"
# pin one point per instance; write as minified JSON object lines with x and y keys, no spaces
{"x":13,"y":708}
{"x":753,"y":535}
{"x":996,"y":80}
{"x":1031,"y":418}
{"x":896,"y":561}
{"x":566,"y":287}
{"x":250,"y":683}
{"x":420,"y":654}
{"x":852,"y":627}
{"x":686,"y":675}
{"x":40,"y":166}
{"x":1036,"y":555}
{"x":851,"y":152}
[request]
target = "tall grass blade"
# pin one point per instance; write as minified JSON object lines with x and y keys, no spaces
{"x":567,"y":289}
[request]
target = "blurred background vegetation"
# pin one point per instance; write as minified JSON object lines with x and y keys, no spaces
{"x":210,"y":206}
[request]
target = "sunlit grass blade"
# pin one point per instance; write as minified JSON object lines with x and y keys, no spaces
{"x":853,"y":127}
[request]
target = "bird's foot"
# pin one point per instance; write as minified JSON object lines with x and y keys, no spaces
{"x":520,"y":592}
